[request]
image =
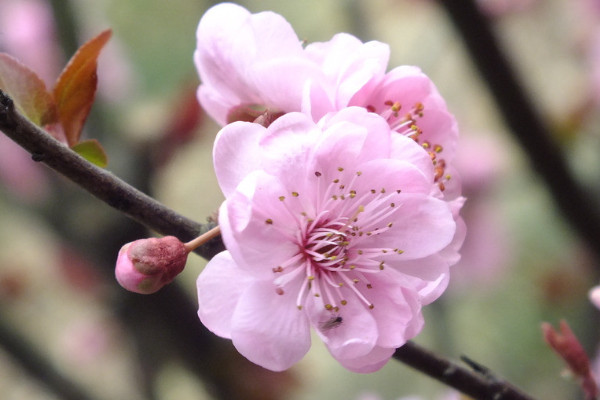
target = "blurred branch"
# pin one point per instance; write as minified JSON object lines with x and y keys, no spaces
{"x":478,"y":384}
{"x":526,"y":124}
{"x":99,"y":182}
{"x":38,"y":366}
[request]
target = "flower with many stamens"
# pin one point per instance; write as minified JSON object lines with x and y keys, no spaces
{"x":338,"y":225}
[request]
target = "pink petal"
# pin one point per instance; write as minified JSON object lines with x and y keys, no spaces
{"x":406,"y":149}
{"x":368,"y":363}
{"x":422,"y":226}
{"x":231,"y":164}
{"x":245,"y":58}
{"x":268,"y":328}
{"x":348,"y":65}
{"x":219,"y":287}
{"x":354,"y":337}
{"x":397,"y":311}
{"x":256,"y":226}
{"x":350,"y":137}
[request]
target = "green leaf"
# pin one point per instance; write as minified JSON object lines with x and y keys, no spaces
{"x":27,"y":90}
{"x":92,"y":151}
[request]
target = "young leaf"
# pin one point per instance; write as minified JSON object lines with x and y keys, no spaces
{"x":92,"y":151}
{"x":27,"y":90}
{"x":75,"y":88}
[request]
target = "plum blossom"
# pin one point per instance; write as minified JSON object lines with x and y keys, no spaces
{"x":250,"y":64}
{"x":337,"y":225}
{"x":254,"y":64}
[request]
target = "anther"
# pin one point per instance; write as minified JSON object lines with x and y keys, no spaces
{"x":269,"y":221}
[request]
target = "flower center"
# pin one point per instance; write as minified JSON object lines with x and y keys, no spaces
{"x":336,"y":253}
{"x":406,"y":123}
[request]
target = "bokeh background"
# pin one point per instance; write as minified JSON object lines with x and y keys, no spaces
{"x":63,"y":316}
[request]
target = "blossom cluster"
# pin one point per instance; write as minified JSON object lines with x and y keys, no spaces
{"x":342,"y":204}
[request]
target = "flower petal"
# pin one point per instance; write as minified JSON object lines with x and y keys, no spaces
{"x":368,"y":363}
{"x":355,"y":336}
{"x":348,"y":64}
{"x":216,"y":305}
{"x":245,"y":58}
{"x":231,"y":164}
{"x":422,"y":226}
{"x":256,"y":226}
{"x":268,"y":328}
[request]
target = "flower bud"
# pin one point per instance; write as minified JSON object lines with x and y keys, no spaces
{"x":146,"y":265}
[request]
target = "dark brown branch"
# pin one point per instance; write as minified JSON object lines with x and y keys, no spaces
{"x":526,"y":124}
{"x":99,"y":182}
{"x":478,"y":385}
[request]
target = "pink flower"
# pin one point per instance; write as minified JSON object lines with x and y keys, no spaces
{"x":337,"y":225}
{"x":250,"y":64}
{"x":248,"y":61}
{"x":146,"y":265}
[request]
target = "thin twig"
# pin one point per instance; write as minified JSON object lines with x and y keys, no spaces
{"x":472,"y":383}
{"x":526,"y":124}
{"x":99,"y":182}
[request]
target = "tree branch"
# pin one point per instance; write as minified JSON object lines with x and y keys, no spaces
{"x":478,"y":384}
{"x":99,"y":182}
{"x":527,"y":126}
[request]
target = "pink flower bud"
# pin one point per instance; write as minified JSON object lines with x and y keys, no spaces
{"x":568,"y":347}
{"x":146,"y":265}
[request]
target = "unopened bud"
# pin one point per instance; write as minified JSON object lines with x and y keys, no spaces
{"x":146,"y":265}
{"x":568,"y":347}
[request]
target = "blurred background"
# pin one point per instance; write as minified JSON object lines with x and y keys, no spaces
{"x":65,"y":322}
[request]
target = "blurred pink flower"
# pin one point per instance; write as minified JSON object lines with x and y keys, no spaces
{"x":28,"y":33}
{"x":337,"y":225}
{"x":487,"y":249}
{"x":19,"y":174}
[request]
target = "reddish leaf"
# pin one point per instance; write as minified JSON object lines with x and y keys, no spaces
{"x":92,"y":151}
{"x":27,"y":90}
{"x":76,"y":87}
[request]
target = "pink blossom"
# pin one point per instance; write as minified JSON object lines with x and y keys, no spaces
{"x":248,"y":60}
{"x":255,"y":63}
{"x":146,"y":265}
{"x":28,"y":33}
{"x":337,"y":225}
{"x":250,"y":64}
